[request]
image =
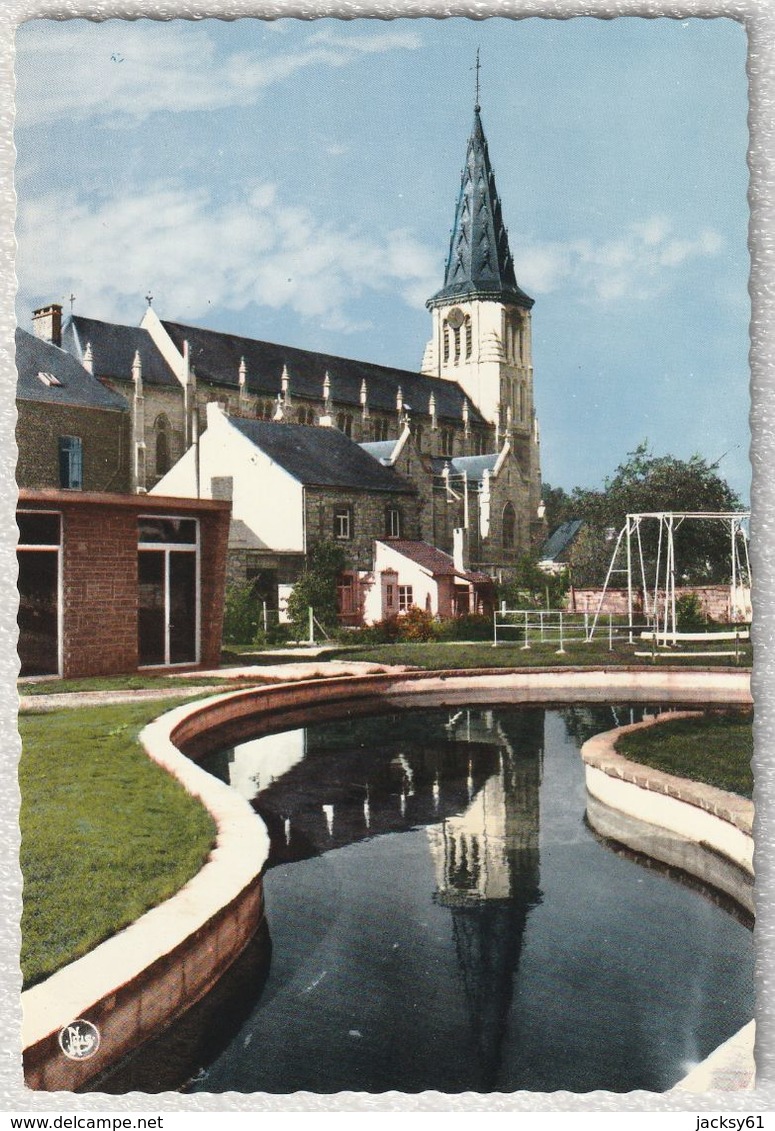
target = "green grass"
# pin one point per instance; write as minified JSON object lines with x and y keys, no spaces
{"x":438,"y":656}
{"x":716,"y":750}
{"x":106,"y":833}
{"x":117,"y":683}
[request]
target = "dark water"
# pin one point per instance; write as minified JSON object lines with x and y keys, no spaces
{"x":441,"y":917}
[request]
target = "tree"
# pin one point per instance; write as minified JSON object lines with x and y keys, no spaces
{"x":316,"y":588}
{"x":643,"y":483}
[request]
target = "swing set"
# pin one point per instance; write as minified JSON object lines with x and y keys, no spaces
{"x":659,"y":592}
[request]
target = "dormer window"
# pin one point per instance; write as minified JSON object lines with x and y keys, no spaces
{"x":49,"y":380}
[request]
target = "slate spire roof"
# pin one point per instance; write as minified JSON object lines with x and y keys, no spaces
{"x":479,"y":264}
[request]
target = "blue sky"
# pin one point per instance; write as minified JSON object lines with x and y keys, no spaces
{"x":296,"y":181}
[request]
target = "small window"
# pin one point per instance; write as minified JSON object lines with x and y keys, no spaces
{"x":469,"y":337}
{"x":343,"y":524}
{"x":447,"y":439}
{"x":182,"y":531}
{"x":70,"y":463}
{"x":445,"y":340}
{"x":380,"y":429}
{"x":389,"y":596}
{"x":405,"y":598}
{"x":456,"y":332}
{"x":49,"y":380}
{"x":393,"y":522}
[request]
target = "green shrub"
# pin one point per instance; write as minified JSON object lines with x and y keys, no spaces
{"x":416,"y":625}
{"x":240,"y":613}
{"x":472,"y":626}
{"x":689,"y":615}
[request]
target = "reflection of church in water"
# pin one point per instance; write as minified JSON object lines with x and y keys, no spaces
{"x":470,"y":778}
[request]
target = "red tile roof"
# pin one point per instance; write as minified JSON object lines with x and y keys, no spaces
{"x":435,"y":561}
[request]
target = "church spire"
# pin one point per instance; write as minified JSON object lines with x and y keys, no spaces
{"x":479,"y":264}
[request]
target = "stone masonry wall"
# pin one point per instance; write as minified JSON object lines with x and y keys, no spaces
{"x":104,"y":434}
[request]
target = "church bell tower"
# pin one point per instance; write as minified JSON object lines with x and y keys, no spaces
{"x":481,"y":317}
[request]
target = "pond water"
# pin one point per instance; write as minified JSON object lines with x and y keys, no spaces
{"x":443,"y":917}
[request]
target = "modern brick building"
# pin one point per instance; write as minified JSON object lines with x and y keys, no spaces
{"x":111,"y":583}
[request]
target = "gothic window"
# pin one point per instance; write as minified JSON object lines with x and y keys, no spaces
{"x":447,"y":441}
{"x":418,"y":436}
{"x":469,"y":337}
{"x":445,"y":340}
{"x":162,"y":431}
{"x":509,"y":527}
{"x":344,"y":423}
{"x":305,"y":415}
{"x":380,"y":429}
{"x":521,"y":401}
{"x":456,"y":333}
{"x":71,"y":462}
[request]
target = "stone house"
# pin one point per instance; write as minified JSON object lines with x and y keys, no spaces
{"x":71,"y":432}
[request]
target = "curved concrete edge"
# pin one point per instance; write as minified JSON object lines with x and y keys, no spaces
{"x":141,"y":979}
{"x":711,"y":817}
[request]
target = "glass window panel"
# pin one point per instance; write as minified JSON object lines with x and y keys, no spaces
{"x":150,"y":607}
{"x":182,"y":607}
{"x":167,"y":530}
{"x":38,"y":529}
{"x":38,"y":612}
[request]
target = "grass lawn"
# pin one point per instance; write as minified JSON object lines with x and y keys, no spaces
{"x":117,"y":683}
{"x":437,"y":656}
{"x":106,"y":834}
{"x":716,"y":749}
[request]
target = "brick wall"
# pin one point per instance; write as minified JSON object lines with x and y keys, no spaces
{"x":105,"y":436}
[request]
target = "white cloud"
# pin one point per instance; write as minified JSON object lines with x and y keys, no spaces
{"x":639,"y":263}
{"x":122,"y":71}
{"x":194,"y":254}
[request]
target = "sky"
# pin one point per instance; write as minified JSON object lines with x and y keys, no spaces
{"x":295,"y":181}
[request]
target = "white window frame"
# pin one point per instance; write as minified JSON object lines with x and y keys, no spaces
{"x":343,"y":530}
{"x":167,"y":548}
{"x":405,"y":598}
{"x":51,"y":548}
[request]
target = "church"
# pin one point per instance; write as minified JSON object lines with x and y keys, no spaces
{"x":445,"y":459}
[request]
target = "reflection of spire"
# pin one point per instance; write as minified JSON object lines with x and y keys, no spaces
{"x":487,"y":870}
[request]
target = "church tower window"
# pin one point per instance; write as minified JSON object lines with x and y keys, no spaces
{"x":469,"y":337}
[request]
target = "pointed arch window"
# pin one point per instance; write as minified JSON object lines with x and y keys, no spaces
{"x":509,"y":527}
{"x":161,"y":430}
{"x":469,"y":340}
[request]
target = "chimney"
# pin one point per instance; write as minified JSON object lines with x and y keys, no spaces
{"x":47,"y":323}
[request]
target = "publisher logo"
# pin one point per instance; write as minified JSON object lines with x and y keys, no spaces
{"x":79,"y":1040}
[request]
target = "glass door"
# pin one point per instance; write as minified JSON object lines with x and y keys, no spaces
{"x":168,"y":591}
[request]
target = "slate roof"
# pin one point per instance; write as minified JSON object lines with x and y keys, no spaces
{"x":113,"y":349}
{"x":435,"y":561}
{"x":479,"y":264}
{"x":216,"y":358}
{"x":76,"y":385}
{"x":380,"y":449}
{"x":559,"y":540}
{"x":473,"y":467}
{"x":321,"y":457}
